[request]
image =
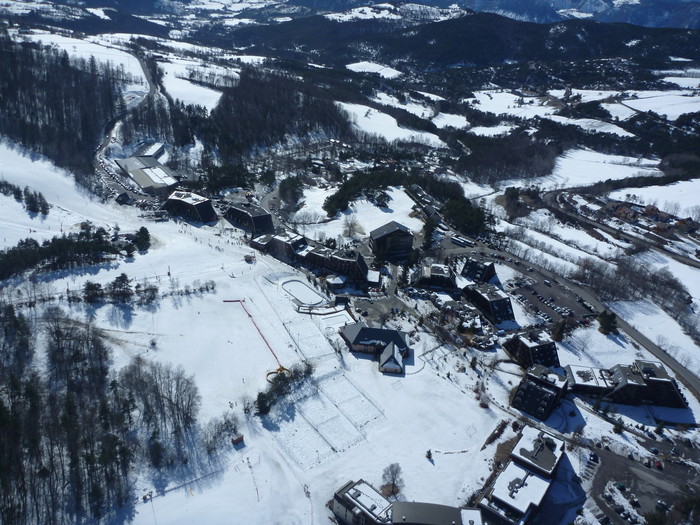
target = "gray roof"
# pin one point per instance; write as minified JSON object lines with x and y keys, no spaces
{"x":251,"y":209}
{"x":413,"y":513}
{"x":391,"y":353}
{"x":147,"y":172}
{"x":389,"y":227}
{"x":361,"y":334}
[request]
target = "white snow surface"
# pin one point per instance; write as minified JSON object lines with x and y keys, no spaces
{"x":581,"y":167}
{"x":365,"y":13}
{"x":372,"y":67}
{"x":685,"y":193}
{"x":371,"y":121}
{"x":492,"y":131}
{"x":368,"y":215}
{"x":99,"y":12}
{"x":671,"y":105}
{"x":176,"y":84}
{"x":85,"y":49}
{"x":347,"y":426}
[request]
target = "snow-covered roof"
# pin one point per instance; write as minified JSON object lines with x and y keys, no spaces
{"x":373,"y":276}
{"x":520,"y":488}
{"x":586,"y":375}
{"x":538,"y":449}
{"x":490,"y":292}
{"x":188,"y":197}
{"x":535,"y":339}
{"x":368,"y":499}
{"x":147,"y":172}
{"x":361,"y":334}
{"x":471,"y":517}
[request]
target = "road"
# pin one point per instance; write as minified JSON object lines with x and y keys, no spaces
{"x":571,"y":289}
{"x":111,"y":180}
{"x":551,"y":200}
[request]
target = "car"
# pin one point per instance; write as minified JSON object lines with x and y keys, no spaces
{"x":661,"y":505}
{"x":659,"y":465}
{"x":530,"y":269}
{"x":593,"y":457}
{"x":654,"y":450}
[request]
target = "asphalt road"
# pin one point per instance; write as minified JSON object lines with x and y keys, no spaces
{"x":569,"y":289}
{"x":551,"y":200}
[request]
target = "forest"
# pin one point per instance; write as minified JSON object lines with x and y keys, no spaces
{"x":55,"y":105}
{"x":75,"y":436}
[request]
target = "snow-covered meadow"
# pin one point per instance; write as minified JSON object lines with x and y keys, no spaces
{"x":349,"y":422}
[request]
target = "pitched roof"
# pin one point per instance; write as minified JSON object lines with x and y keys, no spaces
{"x":391,"y":354}
{"x":389,"y":227}
{"x":361,"y":334}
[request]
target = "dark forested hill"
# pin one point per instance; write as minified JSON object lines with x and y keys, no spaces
{"x":54,"y":105}
{"x":480,"y":39}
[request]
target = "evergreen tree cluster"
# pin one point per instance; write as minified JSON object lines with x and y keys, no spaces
{"x":458,"y":210}
{"x":56,"y":105}
{"x":34,"y":201}
{"x":88,"y":246}
{"x":264,"y":108}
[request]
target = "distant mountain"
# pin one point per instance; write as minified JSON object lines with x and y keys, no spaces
{"x":650,"y":13}
{"x":477,"y":39}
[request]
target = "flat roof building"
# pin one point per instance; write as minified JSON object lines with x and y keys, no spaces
{"x":539,"y":451}
{"x":642,"y":382}
{"x":191,"y":205}
{"x":359,"y":502}
{"x":415,"y":513}
{"x":515,"y":495}
{"x":493,"y":302}
{"x":434,"y":276}
{"x":150,"y":175}
{"x":532,"y":348}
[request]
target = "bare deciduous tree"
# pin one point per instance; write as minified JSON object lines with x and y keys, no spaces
{"x":352,"y":227}
{"x":393,"y":479}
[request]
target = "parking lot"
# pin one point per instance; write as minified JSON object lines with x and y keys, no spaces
{"x":626,"y":486}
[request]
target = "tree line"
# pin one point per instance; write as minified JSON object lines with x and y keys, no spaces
{"x":88,"y":246}
{"x":75,"y":432}
{"x":56,"y":105}
{"x":34,"y":201}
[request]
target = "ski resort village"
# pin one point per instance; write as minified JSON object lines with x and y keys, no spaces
{"x":277,"y":290}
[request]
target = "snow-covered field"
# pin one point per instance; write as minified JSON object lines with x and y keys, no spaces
{"x":580,"y":167}
{"x":686,"y":194}
{"x":368,"y":216}
{"x":374,"y":122}
{"x":349,"y":423}
{"x":502,"y":102}
{"x":371,"y":67}
{"x":175,"y":74}
{"x":85,"y":49}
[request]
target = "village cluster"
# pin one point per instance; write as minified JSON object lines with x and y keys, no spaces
{"x":472,"y":307}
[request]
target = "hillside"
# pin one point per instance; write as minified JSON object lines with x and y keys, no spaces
{"x":253,"y":251}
